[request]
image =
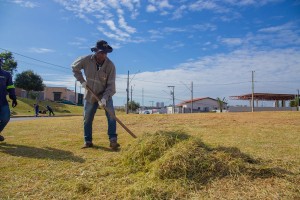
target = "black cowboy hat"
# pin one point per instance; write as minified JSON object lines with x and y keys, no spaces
{"x":102,"y":45}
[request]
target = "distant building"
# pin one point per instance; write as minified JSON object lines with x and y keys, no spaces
{"x":160,"y":104}
{"x":52,"y":94}
{"x":205,"y":104}
{"x":280,"y":102}
{"x":58,"y":93}
{"x":20,"y":92}
{"x":39,"y":95}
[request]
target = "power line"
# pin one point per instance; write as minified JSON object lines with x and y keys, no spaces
{"x":35,"y":59}
{"x":35,"y":65}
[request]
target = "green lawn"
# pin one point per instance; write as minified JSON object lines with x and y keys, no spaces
{"x":187,"y":156}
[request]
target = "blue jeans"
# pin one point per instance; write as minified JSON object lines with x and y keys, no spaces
{"x":89,"y":113}
{"x":4,"y":116}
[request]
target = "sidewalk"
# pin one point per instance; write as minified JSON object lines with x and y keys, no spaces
{"x":59,"y":115}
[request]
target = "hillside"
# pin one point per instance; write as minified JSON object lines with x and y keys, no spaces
{"x":25,"y":108}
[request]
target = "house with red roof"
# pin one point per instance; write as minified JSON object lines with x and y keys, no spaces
{"x":205,"y":104}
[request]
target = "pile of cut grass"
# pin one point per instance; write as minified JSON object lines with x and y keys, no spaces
{"x":182,"y":162}
{"x":149,"y":148}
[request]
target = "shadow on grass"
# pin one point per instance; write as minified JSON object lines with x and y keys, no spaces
{"x":40,"y":153}
{"x":255,"y":168}
{"x":106,"y":149}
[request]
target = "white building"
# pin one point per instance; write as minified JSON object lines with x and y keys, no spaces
{"x":205,"y":104}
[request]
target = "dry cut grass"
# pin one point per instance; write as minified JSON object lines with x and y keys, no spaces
{"x":190,"y":156}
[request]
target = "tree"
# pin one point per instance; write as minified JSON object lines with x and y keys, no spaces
{"x":221,"y":103}
{"x":29,"y":81}
{"x":295,"y":102}
{"x":10,"y":64}
{"x":133,"y":105}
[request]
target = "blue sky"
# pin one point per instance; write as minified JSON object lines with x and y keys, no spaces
{"x":214,"y":44}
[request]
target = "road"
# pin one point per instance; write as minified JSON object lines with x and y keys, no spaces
{"x":14,"y":119}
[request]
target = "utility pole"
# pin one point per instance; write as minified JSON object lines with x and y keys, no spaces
{"x":192,"y":96}
{"x":192,"y":90}
{"x":252,"y":103}
{"x":127,"y":90}
{"x":152,"y":103}
{"x":172,"y":93}
{"x":131,"y":100}
{"x":143,"y":98}
{"x":298,"y":101}
{"x":75,"y":91}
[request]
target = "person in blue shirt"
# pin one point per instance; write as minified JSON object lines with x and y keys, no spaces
{"x":6,"y":86}
{"x":36,"y":109}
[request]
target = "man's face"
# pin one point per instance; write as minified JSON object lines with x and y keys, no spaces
{"x":101,"y":55}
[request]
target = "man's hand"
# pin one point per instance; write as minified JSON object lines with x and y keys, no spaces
{"x":83,"y":84}
{"x":14,"y":103}
{"x":102,"y":102}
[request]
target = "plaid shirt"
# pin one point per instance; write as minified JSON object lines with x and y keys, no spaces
{"x":102,"y":80}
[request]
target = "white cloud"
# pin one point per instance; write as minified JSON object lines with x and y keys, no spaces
{"x":274,"y":29}
{"x":174,"y":45}
{"x":164,"y":4}
{"x":78,"y":41}
{"x":124,"y":25}
{"x":110,"y":34}
{"x":282,"y":35}
{"x":208,"y":5}
{"x":221,"y":75}
{"x":55,"y":80}
{"x":118,"y":33}
{"x":178,"y":13}
{"x":26,"y":4}
{"x":103,"y":12}
{"x":173,"y":29}
{"x":232,"y":41}
{"x":205,"y":27}
{"x":40,"y":50}
{"x":151,"y":8}
{"x":155,"y":34}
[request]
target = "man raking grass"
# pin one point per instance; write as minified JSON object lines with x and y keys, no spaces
{"x":100,"y":73}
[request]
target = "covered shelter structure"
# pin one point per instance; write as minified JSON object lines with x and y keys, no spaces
{"x":279,"y":99}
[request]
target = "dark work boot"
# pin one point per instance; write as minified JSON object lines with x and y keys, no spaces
{"x":87,"y":145}
{"x":114,"y":145}
{"x":1,"y":138}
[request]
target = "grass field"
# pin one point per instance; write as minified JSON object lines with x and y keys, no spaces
{"x":186,"y":156}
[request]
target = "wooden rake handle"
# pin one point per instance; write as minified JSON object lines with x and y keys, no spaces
{"x":112,"y":114}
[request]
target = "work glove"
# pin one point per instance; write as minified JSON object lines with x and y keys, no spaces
{"x":14,"y":103}
{"x":102,"y":102}
{"x":83,"y":84}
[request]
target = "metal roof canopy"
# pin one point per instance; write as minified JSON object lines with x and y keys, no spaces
{"x":264,"y":96}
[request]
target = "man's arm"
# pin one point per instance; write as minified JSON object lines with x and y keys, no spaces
{"x":77,"y":66}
